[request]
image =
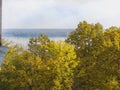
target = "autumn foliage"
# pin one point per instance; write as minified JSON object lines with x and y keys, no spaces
{"x":89,"y":59}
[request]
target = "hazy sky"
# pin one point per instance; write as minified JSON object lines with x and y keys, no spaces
{"x":59,"y":13}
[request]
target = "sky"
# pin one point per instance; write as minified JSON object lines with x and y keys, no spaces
{"x":59,"y":13}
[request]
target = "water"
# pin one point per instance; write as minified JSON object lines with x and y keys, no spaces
{"x":21,"y":36}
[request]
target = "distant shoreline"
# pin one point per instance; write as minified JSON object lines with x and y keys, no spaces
{"x":21,"y":37}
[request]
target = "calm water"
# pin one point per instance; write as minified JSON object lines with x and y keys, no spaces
{"x":21,"y":36}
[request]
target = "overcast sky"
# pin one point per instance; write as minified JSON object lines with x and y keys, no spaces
{"x":59,"y":13}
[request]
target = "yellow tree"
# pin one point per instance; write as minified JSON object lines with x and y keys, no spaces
{"x":99,"y":57}
{"x":87,"y":39}
{"x":28,"y":70}
{"x":58,"y":65}
{"x":109,"y":59}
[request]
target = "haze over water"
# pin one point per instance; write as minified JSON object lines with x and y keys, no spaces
{"x":22,"y":36}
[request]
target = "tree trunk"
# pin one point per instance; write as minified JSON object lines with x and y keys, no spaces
{"x":30,"y":87}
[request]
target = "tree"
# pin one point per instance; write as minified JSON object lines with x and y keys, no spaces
{"x":37,"y":46}
{"x":109,"y":59}
{"x":86,"y":38}
{"x":60,"y":66}
{"x":99,"y":57}
{"x":18,"y":71}
{"x":59,"y":62}
{"x":28,"y":70}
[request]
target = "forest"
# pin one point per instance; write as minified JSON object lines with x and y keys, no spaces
{"x":89,"y":59}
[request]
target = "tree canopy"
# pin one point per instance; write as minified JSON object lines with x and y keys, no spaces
{"x":46,"y":65}
{"x":99,"y":54}
{"x":89,"y":59}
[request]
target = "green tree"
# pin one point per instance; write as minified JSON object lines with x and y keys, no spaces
{"x":86,"y":38}
{"x":37,"y":46}
{"x":99,"y":57}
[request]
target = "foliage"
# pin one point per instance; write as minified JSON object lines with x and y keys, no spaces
{"x":37,"y":46}
{"x":28,"y":70}
{"x":89,"y":59}
{"x":99,"y":52}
